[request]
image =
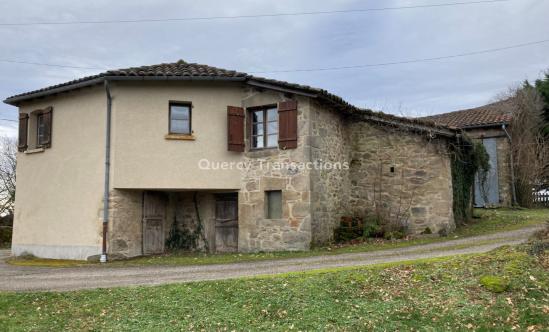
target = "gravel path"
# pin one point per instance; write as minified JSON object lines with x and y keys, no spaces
{"x":19,"y":278}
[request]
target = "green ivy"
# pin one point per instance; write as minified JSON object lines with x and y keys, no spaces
{"x":468,"y":158}
{"x":185,"y":239}
{"x":181,"y":239}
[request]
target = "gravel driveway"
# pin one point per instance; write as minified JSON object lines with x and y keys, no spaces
{"x":19,"y":278}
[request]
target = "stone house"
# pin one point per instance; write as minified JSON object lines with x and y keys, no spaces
{"x":488,"y":124}
{"x":119,"y":162}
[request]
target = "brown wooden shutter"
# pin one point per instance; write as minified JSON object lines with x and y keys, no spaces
{"x":23,"y":131}
{"x":48,"y":112}
{"x":235,"y":120}
{"x":287,"y":124}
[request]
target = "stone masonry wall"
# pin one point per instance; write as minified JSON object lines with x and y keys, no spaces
{"x":401,"y":176}
{"x":125,"y":232}
{"x":504,"y":171}
{"x":293,"y":230}
{"x":329,"y":184}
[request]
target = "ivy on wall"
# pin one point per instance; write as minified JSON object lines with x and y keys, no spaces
{"x":185,"y":239}
{"x":181,"y":238}
{"x":468,"y":158}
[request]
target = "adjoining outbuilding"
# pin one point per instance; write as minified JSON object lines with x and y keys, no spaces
{"x":488,"y":124}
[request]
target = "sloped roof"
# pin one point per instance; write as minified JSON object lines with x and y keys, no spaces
{"x":182,"y":70}
{"x":177,"y":69}
{"x":484,"y":116}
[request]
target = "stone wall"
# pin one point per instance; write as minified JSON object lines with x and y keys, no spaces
{"x":125,"y":232}
{"x":504,"y":171}
{"x":401,"y":177}
{"x":293,"y":230}
{"x":396,"y":175}
{"x":329,"y":184}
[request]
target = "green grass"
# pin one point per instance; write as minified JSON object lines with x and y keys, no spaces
{"x":433,"y":295}
{"x":486,"y":222}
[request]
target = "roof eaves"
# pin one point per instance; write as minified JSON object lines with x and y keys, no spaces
{"x":280,"y":86}
{"x":15,"y":100}
{"x":486,"y":125}
{"x":411,"y":124}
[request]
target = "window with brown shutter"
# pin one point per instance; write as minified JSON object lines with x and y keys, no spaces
{"x":23,"y":131}
{"x":235,"y":130}
{"x":43,"y":129}
{"x":263,"y":126}
{"x":287,"y":118}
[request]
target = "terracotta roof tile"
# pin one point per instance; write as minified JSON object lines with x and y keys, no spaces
{"x":182,"y":69}
{"x":487,"y":115}
{"x":179,"y":68}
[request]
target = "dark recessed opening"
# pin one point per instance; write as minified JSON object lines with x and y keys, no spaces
{"x":392,"y":169}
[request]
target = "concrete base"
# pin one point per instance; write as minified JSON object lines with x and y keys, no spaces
{"x":56,"y":252}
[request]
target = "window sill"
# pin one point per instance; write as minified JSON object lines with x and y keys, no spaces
{"x":180,"y":137}
{"x":262,"y":153}
{"x":35,"y":150}
{"x":263,"y":149}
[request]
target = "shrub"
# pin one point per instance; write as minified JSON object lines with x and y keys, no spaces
{"x":537,"y":248}
{"x":5,"y":236}
{"x":427,"y":231}
{"x":393,"y":230}
{"x":393,"y":235}
{"x":494,"y":284}
{"x":372,"y":228}
{"x":350,"y":228}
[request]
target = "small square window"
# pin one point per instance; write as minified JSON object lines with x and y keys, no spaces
{"x":273,"y":204}
{"x":180,"y":118}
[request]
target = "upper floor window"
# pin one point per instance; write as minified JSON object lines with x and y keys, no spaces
{"x":35,"y":129}
{"x":180,"y":118}
{"x":41,"y":130}
{"x":264,"y":127}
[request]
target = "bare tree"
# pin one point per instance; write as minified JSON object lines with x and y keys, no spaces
{"x":8,"y":149}
{"x":529,"y":147}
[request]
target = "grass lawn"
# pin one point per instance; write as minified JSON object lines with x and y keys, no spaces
{"x":486,"y":222}
{"x":435,"y":295}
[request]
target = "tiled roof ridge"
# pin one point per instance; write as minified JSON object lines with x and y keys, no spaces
{"x":181,"y":68}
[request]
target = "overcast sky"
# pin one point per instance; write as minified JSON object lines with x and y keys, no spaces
{"x":289,"y":42}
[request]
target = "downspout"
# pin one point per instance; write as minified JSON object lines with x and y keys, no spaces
{"x":512,"y":165}
{"x":103,"y":258}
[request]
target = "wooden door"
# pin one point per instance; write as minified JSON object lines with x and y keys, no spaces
{"x":487,"y":193}
{"x":154,"y":216}
{"x":226,"y":223}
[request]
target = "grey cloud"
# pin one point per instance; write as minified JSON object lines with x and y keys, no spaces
{"x":290,"y":42}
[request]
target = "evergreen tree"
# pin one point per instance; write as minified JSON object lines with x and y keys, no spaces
{"x":542,"y":85}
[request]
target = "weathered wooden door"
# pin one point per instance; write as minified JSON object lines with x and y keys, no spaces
{"x":154,"y":216}
{"x":487,"y":193}
{"x":226,"y":223}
